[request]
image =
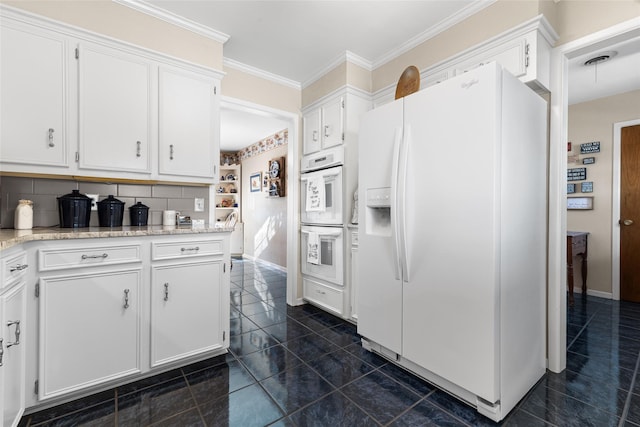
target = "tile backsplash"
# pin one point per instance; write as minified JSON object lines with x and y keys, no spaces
{"x":44,"y":193}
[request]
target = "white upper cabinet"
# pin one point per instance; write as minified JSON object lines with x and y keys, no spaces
{"x":188,"y":123}
{"x":78,"y":104}
{"x":114,"y":110}
{"x":324,"y":126}
{"x":33,"y":103}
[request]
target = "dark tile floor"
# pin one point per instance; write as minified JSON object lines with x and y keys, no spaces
{"x":302,"y":367}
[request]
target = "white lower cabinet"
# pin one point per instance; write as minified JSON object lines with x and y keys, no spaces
{"x":111,"y":310}
{"x":89,"y":329}
{"x":183,"y":323}
{"x":12,"y":355}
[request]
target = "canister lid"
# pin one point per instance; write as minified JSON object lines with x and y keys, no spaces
{"x":139,"y":206}
{"x":74,"y":195}
{"x":110,"y":200}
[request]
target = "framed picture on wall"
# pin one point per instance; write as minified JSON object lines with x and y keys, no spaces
{"x":255,"y":182}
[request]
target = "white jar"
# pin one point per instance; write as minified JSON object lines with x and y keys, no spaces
{"x":23,"y":219}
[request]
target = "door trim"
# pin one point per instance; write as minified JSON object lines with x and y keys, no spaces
{"x":294,"y":283}
{"x":558,"y":128}
{"x":615,"y":206}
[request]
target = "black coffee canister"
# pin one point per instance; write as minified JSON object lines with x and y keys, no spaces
{"x":110,"y":212}
{"x":139,"y":214}
{"x":74,"y":210}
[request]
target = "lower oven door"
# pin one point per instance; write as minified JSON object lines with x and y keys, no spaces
{"x":323,"y":253}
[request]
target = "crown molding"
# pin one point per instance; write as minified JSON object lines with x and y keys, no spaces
{"x":227,"y":62}
{"x":172,"y":18}
{"x":347,"y":56}
{"x":460,"y":16}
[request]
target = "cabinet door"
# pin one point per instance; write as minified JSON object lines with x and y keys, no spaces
{"x":332,"y":123}
{"x":311,"y":125}
{"x":32,"y":97}
{"x":12,"y":378}
{"x":89,"y":329}
{"x":186,"y":310}
{"x":189,"y":124}
{"x":115,"y":110}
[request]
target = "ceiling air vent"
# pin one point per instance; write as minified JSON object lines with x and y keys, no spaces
{"x":600,"y":58}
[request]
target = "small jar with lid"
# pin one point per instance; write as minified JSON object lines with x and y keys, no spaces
{"x":23,"y":219}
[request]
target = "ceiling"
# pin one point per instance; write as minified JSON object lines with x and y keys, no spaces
{"x":299,"y":40}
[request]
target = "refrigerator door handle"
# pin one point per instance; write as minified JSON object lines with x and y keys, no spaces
{"x":403,"y":164}
{"x":395,"y":247}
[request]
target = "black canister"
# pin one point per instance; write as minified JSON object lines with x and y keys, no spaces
{"x":110,"y":212}
{"x":74,"y":210}
{"x":139,"y":214}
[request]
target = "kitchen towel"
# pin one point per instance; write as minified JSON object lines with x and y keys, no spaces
{"x":316,"y":197}
{"x":313,"y":248}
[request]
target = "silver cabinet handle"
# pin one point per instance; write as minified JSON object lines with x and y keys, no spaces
{"x":171,"y":152}
{"x":196,"y":248}
{"x":1,"y":350}
{"x":94,"y":256}
{"x":126,"y":298}
{"x":10,"y":323}
{"x":166,"y":291}
{"x":326,"y":130}
{"x":51,"y":144}
{"x":315,"y":135}
{"x":18,"y":267}
{"x":138,"y":148}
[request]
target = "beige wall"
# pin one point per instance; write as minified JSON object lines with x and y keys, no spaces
{"x":265,"y":219}
{"x":578,"y":18}
{"x":123,"y":23}
{"x":240,"y":85}
{"x":593,"y":121}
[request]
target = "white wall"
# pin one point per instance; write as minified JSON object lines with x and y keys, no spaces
{"x":264,"y":218}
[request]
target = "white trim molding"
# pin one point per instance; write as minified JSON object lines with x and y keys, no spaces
{"x":172,"y":18}
{"x":227,"y":62}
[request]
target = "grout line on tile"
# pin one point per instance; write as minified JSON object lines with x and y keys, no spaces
{"x":627,"y":403}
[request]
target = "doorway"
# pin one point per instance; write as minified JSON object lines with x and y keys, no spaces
{"x":292,"y":186}
{"x":557,"y":297}
{"x":626,"y":211}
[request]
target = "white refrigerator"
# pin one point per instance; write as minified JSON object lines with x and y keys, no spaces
{"x":452,"y":236}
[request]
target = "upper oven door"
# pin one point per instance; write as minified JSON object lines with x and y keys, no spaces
{"x":321,"y":201}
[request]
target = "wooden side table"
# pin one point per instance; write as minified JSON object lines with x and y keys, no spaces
{"x":576,"y":246}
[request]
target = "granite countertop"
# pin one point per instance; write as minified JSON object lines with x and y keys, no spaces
{"x":10,"y":237}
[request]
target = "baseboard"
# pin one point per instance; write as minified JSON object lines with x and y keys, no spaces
{"x":265,"y":263}
{"x":594,"y":293}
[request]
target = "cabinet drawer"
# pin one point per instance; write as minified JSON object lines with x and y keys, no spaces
{"x":186,"y":249}
{"x":323,"y":295}
{"x":58,"y":259}
{"x":14,"y":267}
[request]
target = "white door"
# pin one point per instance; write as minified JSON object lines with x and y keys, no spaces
{"x":83,"y":320}
{"x":311,"y":141}
{"x":189,"y":124}
{"x":115,"y":110}
{"x":32,"y":97}
{"x":185,"y":310}
{"x":329,"y":264}
{"x":450,"y":217}
{"x":379,"y":285}
{"x":331,"y":212}
{"x":13,"y":334}
{"x":332,"y":123}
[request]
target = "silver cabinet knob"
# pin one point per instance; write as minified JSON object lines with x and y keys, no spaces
{"x":626,"y":222}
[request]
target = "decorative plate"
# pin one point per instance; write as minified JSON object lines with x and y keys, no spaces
{"x":274,"y":169}
{"x":229,"y":177}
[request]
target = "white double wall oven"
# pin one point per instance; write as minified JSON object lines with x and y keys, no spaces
{"x":322,"y":229}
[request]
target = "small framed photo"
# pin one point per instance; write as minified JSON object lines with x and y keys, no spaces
{"x":255,"y":182}
{"x":571,"y":188}
{"x":586,"y":187}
